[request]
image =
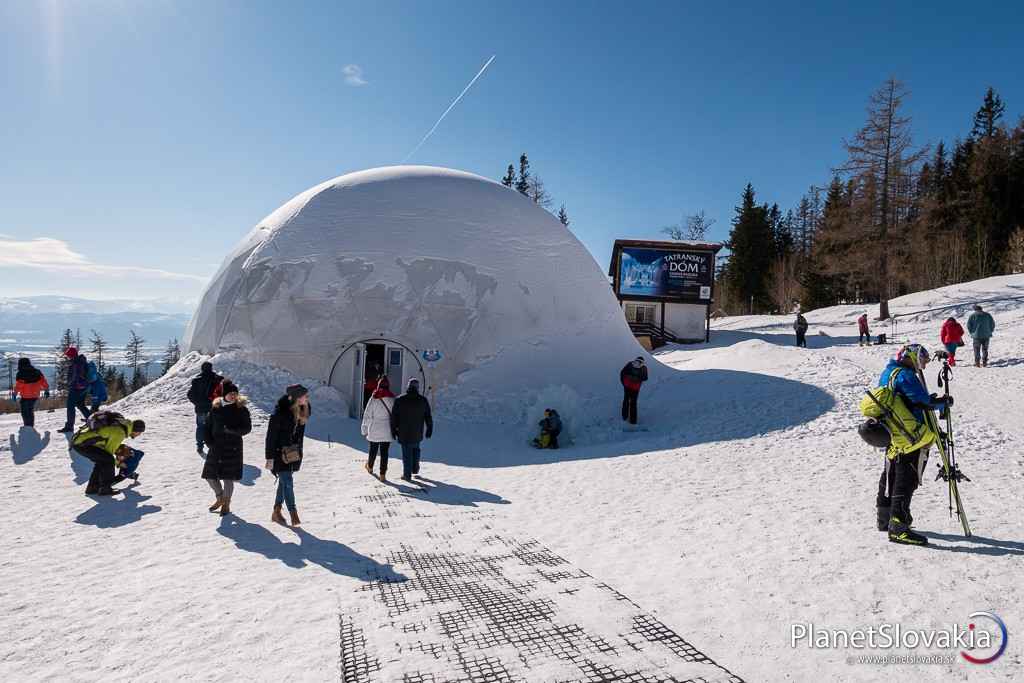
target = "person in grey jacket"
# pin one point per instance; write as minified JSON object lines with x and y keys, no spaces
{"x":981,"y":327}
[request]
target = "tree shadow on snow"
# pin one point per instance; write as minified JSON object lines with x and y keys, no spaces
{"x":1001,"y":363}
{"x":785,"y":337}
{"x":119,"y":510}
{"x":28,"y":445}
{"x":981,"y":545}
{"x":331,"y":555}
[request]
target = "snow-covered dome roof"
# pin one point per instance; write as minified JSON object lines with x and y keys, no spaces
{"x":431,"y":258}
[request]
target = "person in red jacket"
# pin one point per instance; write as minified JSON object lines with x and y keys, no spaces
{"x":952,"y":336}
{"x":29,"y":384}
{"x":864,"y":337}
{"x":632,"y":376}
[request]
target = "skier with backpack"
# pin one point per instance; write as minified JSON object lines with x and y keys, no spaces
{"x":204,"y":388}
{"x":77,"y":388}
{"x":897,"y":406}
{"x":99,"y":440}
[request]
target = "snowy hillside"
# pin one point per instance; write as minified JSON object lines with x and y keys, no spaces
{"x":688,"y":550}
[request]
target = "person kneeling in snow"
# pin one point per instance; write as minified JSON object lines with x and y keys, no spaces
{"x":550,"y":428}
{"x":98,"y":440}
{"x":128,"y":460}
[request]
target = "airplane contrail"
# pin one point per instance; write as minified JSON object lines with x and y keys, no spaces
{"x":450,"y":107}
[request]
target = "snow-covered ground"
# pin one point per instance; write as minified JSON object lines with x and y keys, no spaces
{"x":747,"y":506}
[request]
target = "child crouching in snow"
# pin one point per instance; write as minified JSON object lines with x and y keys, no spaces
{"x":127,"y":460}
{"x":550,"y":428}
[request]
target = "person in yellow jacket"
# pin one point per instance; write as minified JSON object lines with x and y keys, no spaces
{"x":99,"y":440}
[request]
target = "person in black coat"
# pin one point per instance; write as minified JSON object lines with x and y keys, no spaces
{"x":229,"y":421}
{"x":409,"y":416}
{"x":287,"y":429}
{"x":201,"y":395}
{"x":631,"y":377}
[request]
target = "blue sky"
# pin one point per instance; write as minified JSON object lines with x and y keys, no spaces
{"x":141,"y":140}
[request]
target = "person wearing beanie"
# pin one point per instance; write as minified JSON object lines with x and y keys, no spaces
{"x":376,"y":426}
{"x":77,"y":388}
{"x":632,"y":376}
{"x":981,"y":326}
{"x":411,"y":421}
{"x":201,"y":392}
{"x":101,"y":444}
{"x":228,"y":422}
{"x":29,"y":384}
{"x":285,"y":434}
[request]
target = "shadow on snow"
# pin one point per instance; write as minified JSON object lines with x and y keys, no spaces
{"x":331,"y":555}
{"x":980,"y":545}
{"x":28,"y":444}
{"x":119,"y":510}
{"x":681,"y":409}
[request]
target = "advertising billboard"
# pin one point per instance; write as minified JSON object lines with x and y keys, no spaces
{"x":666,"y":273}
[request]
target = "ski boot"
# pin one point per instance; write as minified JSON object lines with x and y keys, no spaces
{"x":900,"y":532}
{"x":884,"y":513}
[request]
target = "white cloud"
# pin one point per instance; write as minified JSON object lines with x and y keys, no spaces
{"x":354,"y":75}
{"x":56,"y":256}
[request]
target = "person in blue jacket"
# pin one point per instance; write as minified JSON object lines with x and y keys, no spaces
{"x":97,"y":387}
{"x":902,"y":473}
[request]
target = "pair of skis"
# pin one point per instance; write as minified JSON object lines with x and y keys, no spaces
{"x":948,"y":469}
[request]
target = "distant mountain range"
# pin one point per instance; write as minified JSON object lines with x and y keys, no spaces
{"x":32,"y":326}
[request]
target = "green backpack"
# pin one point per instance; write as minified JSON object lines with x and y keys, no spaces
{"x":887,"y":406}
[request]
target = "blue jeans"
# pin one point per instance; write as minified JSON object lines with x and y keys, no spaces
{"x":285,"y":490}
{"x":410,"y":459}
{"x":201,"y":429}
{"x":76,"y":399}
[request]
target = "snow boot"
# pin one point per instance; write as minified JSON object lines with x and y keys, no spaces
{"x":277,"y":516}
{"x":369,"y":470}
{"x":294,"y":514}
{"x":67,"y":430}
{"x":884,"y":513}
{"x":217,"y":504}
{"x":225,"y":507}
{"x":900,"y":532}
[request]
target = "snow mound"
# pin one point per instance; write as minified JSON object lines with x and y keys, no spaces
{"x":482,"y":293}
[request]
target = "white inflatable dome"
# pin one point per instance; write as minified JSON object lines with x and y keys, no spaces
{"x":422,"y":272}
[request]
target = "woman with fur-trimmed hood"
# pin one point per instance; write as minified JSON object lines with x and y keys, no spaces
{"x":285,"y":433}
{"x":229,"y":421}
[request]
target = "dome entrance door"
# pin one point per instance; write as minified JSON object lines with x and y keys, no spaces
{"x":361,"y":364}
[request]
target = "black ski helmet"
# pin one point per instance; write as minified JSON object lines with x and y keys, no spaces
{"x":874,"y":433}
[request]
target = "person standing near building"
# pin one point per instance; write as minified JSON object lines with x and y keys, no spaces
{"x":376,"y":425}
{"x":800,"y":327}
{"x":981,"y":327}
{"x":203,"y":390}
{"x":411,"y":421}
{"x":285,"y":434}
{"x":77,"y":388}
{"x":863,"y":331}
{"x":228,"y":422}
{"x":952,"y":336}
{"x":632,"y":376}
{"x":29,"y":384}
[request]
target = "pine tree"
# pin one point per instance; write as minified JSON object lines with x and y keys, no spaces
{"x":172,"y":354}
{"x":563,"y":217}
{"x":510,"y":177}
{"x":97,"y":350}
{"x":523,"y":183}
{"x":62,"y":362}
{"x":750,"y":243}
{"x":135,"y":359}
{"x":987,"y":117}
{"x":882,"y":159}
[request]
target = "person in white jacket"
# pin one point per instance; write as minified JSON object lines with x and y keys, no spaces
{"x":377,"y":425}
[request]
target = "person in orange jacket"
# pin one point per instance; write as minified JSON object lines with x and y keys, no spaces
{"x":952,"y":336}
{"x":29,"y":384}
